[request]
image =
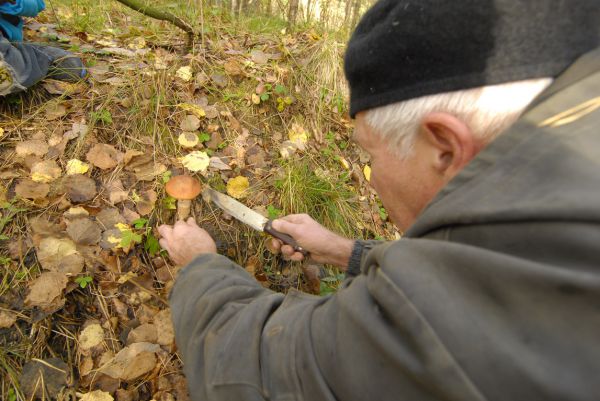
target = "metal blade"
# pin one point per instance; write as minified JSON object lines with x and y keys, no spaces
{"x":236,"y":209}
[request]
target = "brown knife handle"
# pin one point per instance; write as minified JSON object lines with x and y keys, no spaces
{"x":286,"y":239}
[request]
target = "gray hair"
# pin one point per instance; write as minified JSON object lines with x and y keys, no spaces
{"x":487,"y":110}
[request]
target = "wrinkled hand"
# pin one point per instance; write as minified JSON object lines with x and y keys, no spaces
{"x":324,"y":246}
{"x":185,"y":240}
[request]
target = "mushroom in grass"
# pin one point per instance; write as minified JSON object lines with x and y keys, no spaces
{"x":184,"y":188}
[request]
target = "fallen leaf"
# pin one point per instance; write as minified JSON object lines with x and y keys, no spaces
{"x":29,"y":189}
{"x":367,"y":172}
{"x":238,"y":187}
{"x":84,"y":231}
{"x":220,"y":80}
{"x":80,"y":188}
{"x":148,"y":171}
{"x":76,"y":166}
{"x":185,"y":73}
{"x":109,"y":218}
{"x":43,"y":379}
{"x":143,"y":333}
{"x":59,"y":255}
{"x":164,"y":328}
{"x":188,"y":139}
{"x":46,"y":171}
{"x":255,"y":98}
{"x":33,"y":147}
{"x":232,"y":67}
{"x":211,"y":112}
{"x":146,"y":204}
{"x":196,"y":110}
{"x":196,"y":161}
{"x":104,"y":156}
{"x":189,"y":123}
{"x":55,"y":111}
{"x":259,"y":57}
{"x":76,"y":213}
{"x":116,"y":191}
{"x":345,"y":164}
{"x":97,"y":395}
{"x":219,"y":164}
{"x":287,"y":149}
{"x":90,"y":338}
{"x":7,"y":319}
{"x":132,"y":362}
{"x":298,"y":134}
{"x":45,"y":290}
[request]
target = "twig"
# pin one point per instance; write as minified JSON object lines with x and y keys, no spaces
{"x":139,"y":6}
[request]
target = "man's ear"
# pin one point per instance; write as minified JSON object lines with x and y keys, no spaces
{"x":451,"y":140}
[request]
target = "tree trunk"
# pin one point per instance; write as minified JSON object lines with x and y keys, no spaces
{"x":292,"y":12}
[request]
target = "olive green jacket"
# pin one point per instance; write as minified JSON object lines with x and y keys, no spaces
{"x":494,"y":294}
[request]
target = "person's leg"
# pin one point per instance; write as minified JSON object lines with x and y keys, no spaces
{"x":24,"y":64}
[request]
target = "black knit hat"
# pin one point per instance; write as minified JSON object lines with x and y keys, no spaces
{"x":402,"y":49}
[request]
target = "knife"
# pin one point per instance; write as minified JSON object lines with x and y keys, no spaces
{"x":249,"y":217}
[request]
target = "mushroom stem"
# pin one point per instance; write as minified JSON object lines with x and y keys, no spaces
{"x":183,"y":208}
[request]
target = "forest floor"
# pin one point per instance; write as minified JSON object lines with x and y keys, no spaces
{"x":251,"y":109}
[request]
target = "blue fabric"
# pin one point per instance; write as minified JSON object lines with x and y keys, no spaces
{"x":21,"y":8}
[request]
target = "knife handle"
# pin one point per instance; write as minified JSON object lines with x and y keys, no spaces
{"x":286,"y":239}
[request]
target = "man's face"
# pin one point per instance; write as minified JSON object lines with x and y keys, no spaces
{"x":404,"y":185}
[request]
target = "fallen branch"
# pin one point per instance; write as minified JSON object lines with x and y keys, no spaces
{"x":141,"y":7}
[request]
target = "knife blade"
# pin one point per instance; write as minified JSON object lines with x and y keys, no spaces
{"x":249,"y":217}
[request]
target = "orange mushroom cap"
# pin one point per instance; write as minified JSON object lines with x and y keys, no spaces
{"x":183,"y":187}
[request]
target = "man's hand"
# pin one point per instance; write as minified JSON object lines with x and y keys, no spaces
{"x":185,"y":240}
{"x":324,"y":246}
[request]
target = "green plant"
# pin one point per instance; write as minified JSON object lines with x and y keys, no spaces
{"x":83,"y":281}
{"x":103,"y":115}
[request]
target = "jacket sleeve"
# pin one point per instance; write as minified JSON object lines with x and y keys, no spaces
{"x":240,"y":341}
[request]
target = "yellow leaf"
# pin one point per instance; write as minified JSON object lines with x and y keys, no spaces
{"x":367,"y":172}
{"x":1,"y":132}
{"x":192,"y":108}
{"x":238,"y":187}
{"x":344,"y":163}
{"x":45,"y":171}
{"x":188,"y":139}
{"x":122,"y":227}
{"x":196,"y":161}
{"x":76,"y":166}
{"x":185,"y":73}
{"x":97,"y":395}
{"x":298,"y":134}
{"x":255,"y":98}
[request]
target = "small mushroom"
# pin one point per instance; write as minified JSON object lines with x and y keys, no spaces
{"x":184,"y":188}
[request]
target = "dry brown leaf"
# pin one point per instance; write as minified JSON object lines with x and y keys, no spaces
{"x":59,"y":255}
{"x":80,"y":188}
{"x":164,"y":328}
{"x":116,"y":191}
{"x":211,"y":112}
{"x":55,"y":111}
{"x":29,"y":189}
{"x":219,"y":164}
{"x":97,"y":395}
{"x":232,"y":67}
{"x":132,"y":362}
{"x":259,"y":57}
{"x":7,"y":319}
{"x":104,"y":156}
{"x":147,"y":172}
{"x":146,"y":204}
{"x":46,"y":171}
{"x":46,"y":290}
{"x":220,"y":80}
{"x":189,"y":123}
{"x":33,"y":147}
{"x":91,"y":338}
{"x":43,"y":379}
{"x":109,"y":217}
{"x":143,"y":333}
{"x":84,"y":231}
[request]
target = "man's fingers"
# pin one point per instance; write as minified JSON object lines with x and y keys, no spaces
{"x":179,"y":223}
{"x":165,"y":231}
{"x":287,"y":250}
{"x":296,"y":218}
{"x":164,"y":244}
{"x":297,"y":257}
{"x":286,"y":227}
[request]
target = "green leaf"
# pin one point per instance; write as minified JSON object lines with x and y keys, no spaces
{"x":273,"y":212}
{"x":170,"y":203}
{"x":264,"y":97}
{"x":151,"y":245}
{"x":128,"y":237}
{"x":83,"y":281}
{"x":140,"y":223}
{"x":383,"y":214}
{"x":12,"y":396}
{"x":279,"y":89}
{"x":204,"y":137}
{"x":166,"y":176}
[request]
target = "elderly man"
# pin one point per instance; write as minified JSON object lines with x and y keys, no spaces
{"x":494,"y":291}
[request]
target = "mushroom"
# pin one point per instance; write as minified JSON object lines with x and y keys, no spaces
{"x":184,"y":188}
